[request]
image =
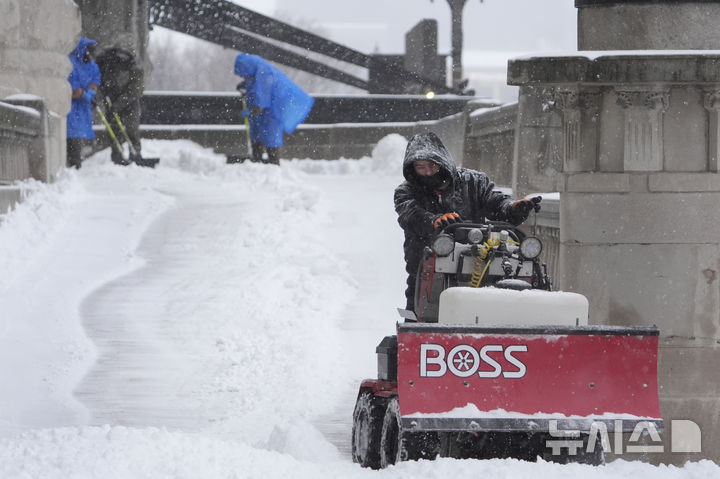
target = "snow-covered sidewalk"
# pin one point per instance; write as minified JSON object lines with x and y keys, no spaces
{"x":208,"y":320}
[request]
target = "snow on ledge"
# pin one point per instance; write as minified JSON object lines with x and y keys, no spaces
{"x":471,"y":411}
{"x":19,"y":108}
{"x":595,"y":54}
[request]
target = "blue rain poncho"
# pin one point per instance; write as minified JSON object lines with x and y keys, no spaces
{"x":79,"y":120}
{"x":285,"y":105}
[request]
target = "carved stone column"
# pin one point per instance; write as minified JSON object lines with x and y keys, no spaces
{"x":644,"y":108}
{"x":712,"y":105}
{"x":580,"y":111}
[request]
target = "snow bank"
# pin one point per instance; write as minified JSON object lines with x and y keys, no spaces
{"x":123,"y":453}
{"x":389,"y":154}
{"x":386,"y":159}
{"x":33,"y":223}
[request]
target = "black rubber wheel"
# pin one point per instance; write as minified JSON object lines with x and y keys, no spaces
{"x":367,"y":429}
{"x":390,"y":437}
{"x":398,"y":445}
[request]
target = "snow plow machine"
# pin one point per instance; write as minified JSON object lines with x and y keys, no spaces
{"x":493,"y":364}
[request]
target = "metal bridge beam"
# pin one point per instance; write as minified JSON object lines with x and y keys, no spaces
{"x":203,"y":25}
{"x":222,"y":22}
{"x":227,"y":13}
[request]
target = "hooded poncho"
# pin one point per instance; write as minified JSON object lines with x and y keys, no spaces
{"x":79,"y":120}
{"x":285,"y":105}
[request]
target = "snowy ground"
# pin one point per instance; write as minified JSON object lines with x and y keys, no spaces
{"x":204,"y":320}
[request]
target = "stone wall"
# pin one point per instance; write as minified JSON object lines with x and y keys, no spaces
{"x":346,"y":140}
{"x":490,"y":142}
{"x":35,"y":39}
{"x":639,"y":184}
{"x":648,"y":25}
{"x":210,"y":120}
{"x":518,"y":145}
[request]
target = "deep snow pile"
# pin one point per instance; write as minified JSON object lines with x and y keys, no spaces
{"x":207,"y":320}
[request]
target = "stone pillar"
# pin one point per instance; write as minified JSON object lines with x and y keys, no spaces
{"x":639,"y":190}
{"x":34,"y":48}
{"x":648,"y":25}
{"x":117,"y":23}
{"x":35,"y":40}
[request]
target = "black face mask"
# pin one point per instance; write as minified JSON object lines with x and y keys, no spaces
{"x":438,"y":181}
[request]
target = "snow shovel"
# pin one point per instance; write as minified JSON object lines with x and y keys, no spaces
{"x":134,"y":155}
{"x":110,"y":131}
{"x":237,"y":158}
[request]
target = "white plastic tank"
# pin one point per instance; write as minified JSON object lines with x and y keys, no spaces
{"x":506,"y":307}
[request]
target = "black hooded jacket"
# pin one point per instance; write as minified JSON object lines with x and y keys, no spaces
{"x":469,"y":193}
{"x":122,"y":78}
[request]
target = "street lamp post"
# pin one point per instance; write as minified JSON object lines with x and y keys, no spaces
{"x":456,"y":12}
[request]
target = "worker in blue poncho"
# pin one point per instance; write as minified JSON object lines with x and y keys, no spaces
{"x":84,"y":81}
{"x":275,"y":105}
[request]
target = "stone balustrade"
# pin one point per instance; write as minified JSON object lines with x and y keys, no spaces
{"x":19,"y":128}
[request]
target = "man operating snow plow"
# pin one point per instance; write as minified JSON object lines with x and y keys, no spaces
{"x":490,"y":363}
{"x":497,"y":366}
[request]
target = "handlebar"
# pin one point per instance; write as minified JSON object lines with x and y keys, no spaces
{"x":487,"y":226}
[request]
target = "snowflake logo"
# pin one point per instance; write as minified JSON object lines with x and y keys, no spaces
{"x":463,"y":361}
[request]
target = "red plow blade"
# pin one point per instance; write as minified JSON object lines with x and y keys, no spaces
{"x":520,"y":378}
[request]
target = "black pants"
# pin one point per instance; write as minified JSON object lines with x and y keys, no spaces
{"x":413,"y":258}
{"x":74,"y":152}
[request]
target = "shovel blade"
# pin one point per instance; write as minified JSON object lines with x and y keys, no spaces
{"x":147,"y":162}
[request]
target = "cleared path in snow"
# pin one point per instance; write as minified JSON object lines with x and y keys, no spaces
{"x":158,"y":343}
{"x":45,"y":350}
{"x":147,"y":372}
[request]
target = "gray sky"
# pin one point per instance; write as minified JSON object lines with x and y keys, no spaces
{"x":380,"y":25}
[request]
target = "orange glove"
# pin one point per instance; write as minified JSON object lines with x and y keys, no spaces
{"x":443,"y":221}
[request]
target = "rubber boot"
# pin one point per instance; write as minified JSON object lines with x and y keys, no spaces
{"x":74,"y":153}
{"x":257,"y":151}
{"x":273,"y":156}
